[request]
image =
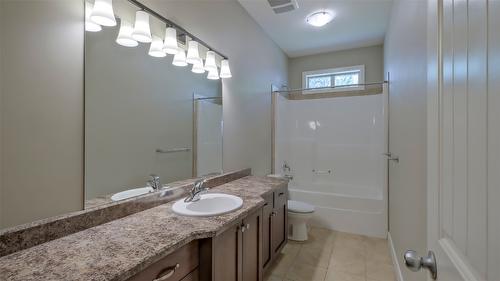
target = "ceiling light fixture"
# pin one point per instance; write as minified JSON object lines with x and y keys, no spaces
{"x":213,"y":75}
{"x":170,"y":45}
{"x":142,"y":32}
{"x":193,"y":55}
{"x":319,"y":19}
{"x":90,"y":25}
{"x":180,"y":58}
{"x":125,"y":35}
{"x":198,"y":67}
{"x":225,"y":71}
{"x":210,"y":61}
{"x":102,"y":13}
{"x":156,"y":48}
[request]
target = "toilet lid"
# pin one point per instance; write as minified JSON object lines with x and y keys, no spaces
{"x":299,"y":207}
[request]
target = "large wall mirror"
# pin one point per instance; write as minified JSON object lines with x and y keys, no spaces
{"x":84,"y":118}
{"x":145,"y":116}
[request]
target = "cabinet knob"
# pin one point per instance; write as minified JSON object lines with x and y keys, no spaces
{"x":243,"y":228}
{"x":248,"y":226}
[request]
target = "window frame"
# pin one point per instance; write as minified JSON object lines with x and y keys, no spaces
{"x":337,"y":70}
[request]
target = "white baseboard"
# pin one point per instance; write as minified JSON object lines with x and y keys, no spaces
{"x":395,"y":259}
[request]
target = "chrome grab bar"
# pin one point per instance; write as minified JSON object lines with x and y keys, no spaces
{"x":173,"y":150}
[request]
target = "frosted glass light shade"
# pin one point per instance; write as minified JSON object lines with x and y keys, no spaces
{"x":102,"y":13}
{"x":90,"y":25}
{"x":193,"y":54}
{"x":213,"y":75}
{"x":210,"y":61}
{"x":225,"y":71}
{"x":180,"y":58}
{"x":142,"y":31}
{"x":170,"y":45}
{"x":198,"y":67}
{"x":125,"y":35}
{"x":156,"y":48}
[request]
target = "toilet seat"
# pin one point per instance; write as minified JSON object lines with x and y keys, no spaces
{"x":300,"y":207}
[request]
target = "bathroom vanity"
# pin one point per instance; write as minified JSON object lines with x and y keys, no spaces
{"x":157,"y":244}
{"x":241,"y":252}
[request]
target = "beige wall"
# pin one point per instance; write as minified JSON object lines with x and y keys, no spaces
{"x":42,"y":108}
{"x":405,"y":59}
{"x":371,"y":57}
{"x":256,"y":63}
{"x":43,"y":98}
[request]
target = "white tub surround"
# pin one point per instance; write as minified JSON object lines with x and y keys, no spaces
{"x":334,"y":148}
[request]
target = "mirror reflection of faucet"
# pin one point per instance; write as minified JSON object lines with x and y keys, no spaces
{"x":155,"y":182}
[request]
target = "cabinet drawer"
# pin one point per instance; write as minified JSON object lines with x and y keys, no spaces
{"x":173,"y":267}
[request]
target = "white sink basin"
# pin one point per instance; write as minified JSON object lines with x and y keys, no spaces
{"x":211,"y":204}
{"x":131,"y":193}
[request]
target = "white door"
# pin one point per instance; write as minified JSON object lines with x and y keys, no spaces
{"x":464,"y":139}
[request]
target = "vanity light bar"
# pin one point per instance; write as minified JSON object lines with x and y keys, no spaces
{"x":180,"y":31}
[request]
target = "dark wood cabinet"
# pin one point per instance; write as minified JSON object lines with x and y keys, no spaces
{"x":237,"y":251}
{"x":252,"y":247}
{"x":267,"y":212}
{"x":275,"y":225}
{"x":279,"y":221}
{"x":227,"y":255}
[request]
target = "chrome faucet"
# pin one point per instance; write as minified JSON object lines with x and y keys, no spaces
{"x":155,"y":182}
{"x":196,"y":191}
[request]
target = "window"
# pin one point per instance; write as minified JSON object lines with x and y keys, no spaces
{"x":318,"y":80}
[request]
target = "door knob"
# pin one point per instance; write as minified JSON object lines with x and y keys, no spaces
{"x":414,"y":262}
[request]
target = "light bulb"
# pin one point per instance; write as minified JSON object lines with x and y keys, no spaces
{"x":180,"y":58}
{"x":213,"y":75}
{"x":156,"y":48}
{"x":170,"y":45}
{"x":125,"y":35}
{"x":210,"y":61}
{"x":225,"y":71}
{"x":90,"y":25}
{"x":142,"y":32}
{"x":193,"y":54}
{"x":198,"y":67}
{"x":102,"y":13}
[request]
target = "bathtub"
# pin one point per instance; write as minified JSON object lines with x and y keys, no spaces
{"x":342,"y":207}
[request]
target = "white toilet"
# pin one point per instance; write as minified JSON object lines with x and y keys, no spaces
{"x":298,"y":215}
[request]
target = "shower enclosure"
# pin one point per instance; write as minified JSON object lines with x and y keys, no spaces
{"x":333,"y":145}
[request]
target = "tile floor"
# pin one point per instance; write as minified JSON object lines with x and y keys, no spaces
{"x":333,"y":256}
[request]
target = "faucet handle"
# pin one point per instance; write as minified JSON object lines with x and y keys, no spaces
{"x":199,"y":183}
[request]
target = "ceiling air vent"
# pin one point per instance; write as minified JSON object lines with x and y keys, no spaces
{"x":283,"y":6}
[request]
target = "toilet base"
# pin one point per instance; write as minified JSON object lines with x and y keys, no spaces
{"x":297,"y":224}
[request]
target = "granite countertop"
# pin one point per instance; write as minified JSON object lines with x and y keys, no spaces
{"x":119,"y":249}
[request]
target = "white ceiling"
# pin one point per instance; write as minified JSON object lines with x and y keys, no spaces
{"x":358,"y":23}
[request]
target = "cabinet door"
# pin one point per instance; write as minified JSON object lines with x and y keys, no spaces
{"x":279,"y":220}
{"x":227,"y":255}
{"x":252,"y":238}
{"x":267,"y":210}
